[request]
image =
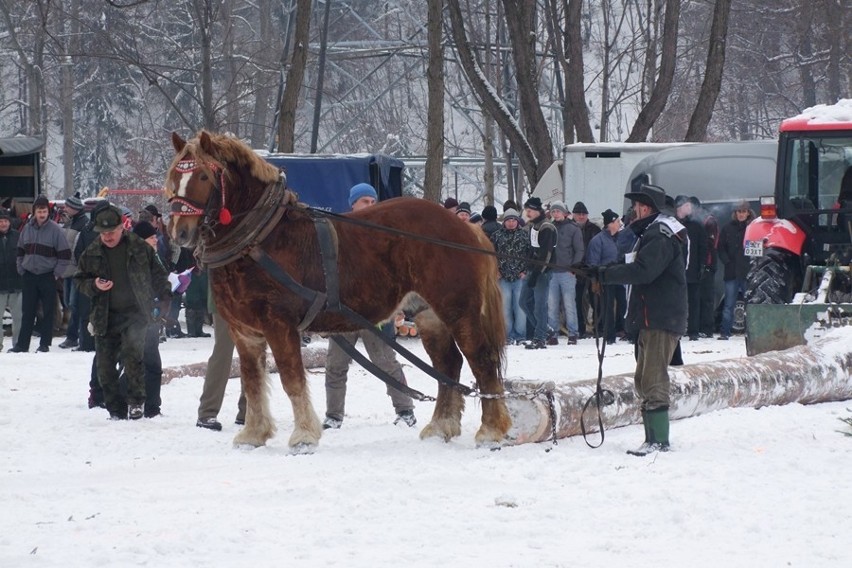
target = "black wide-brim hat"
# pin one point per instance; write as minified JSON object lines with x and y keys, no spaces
{"x":652,"y":196}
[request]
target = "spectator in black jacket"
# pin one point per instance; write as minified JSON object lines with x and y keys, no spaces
{"x":656,"y":307}
{"x":76,"y":221}
{"x":580,"y":215}
{"x":733,"y":258}
{"x":696,"y":266}
{"x":534,"y":295}
{"x":10,"y":280}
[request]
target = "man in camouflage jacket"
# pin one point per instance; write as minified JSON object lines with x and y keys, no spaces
{"x":123,"y":276}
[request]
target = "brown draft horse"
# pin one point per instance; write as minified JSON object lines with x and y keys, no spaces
{"x":213,"y":175}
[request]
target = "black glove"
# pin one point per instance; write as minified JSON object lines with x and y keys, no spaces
{"x":532,"y":279}
{"x":162,"y":309}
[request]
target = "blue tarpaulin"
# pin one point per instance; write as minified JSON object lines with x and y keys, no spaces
{"x":323,"y":181}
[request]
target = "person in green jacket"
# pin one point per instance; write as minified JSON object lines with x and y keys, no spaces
{"x":123,"y":276}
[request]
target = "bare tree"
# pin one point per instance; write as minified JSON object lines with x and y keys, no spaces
{"x":433,"y":176}
{"x":663,"y":83}
{"x":295,"y":76}
{"x":697,"y":131}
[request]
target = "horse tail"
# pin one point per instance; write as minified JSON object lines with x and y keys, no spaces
{"x":493,"y":322}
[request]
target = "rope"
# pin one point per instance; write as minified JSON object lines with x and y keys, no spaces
{"x":601,"y":396}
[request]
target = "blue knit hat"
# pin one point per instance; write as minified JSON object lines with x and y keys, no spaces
{"x":361,"y":190}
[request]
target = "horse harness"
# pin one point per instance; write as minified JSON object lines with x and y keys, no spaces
{"x":262,"y":219}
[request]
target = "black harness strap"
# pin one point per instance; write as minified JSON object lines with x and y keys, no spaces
{"x":380,"y":373}
{"x":316,"y":299}
{"x":327,"y":237}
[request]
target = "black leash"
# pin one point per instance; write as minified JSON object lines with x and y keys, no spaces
{"x":601,"y":396}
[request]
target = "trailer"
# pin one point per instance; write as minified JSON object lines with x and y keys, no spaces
{"x":595,"y":174}
{"x":20,"y":168}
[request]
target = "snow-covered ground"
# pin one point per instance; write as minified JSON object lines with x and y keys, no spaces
{"x":743,"y":487}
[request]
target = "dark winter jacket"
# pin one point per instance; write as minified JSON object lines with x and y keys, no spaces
{"x":603,"y":249}
{"x":570,"y":247}
{"x":491,"y":227}
{"x":10,"y":280}
{"x":147,"y":276}
{"x":73,"y":228}
{"x":657,"y":277}
{"x":697,"y":258}
{"x":731,"y":251}
{"x":542,"y":234}
{"x":589,"y":230}
{"x":711,"y":229}
{"x":43,"y":249}
{"x":514,"y":243}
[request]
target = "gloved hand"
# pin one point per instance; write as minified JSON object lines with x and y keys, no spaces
{"x":706,"y":271}
{"x":532,"y":279}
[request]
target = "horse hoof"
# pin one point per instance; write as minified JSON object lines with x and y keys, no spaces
{"x":302,"y":449}
{"x":442,"y":429}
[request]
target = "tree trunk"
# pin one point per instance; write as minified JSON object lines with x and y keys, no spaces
{"x":520,"y":20}
{"x":320,"y":77}
{"x":295,"y":76}
{"x":663,"y":84}
{"x":485,"y":94}
{"x":712,"y":84}
{"x":434,"y":171}
{"x":574,"y":81}
{"x":262,"y":95}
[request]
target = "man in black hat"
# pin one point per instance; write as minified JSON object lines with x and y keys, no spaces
{"x":43,"y":257}
{"x":122,"y":276}
{"x":580,"y":215}
{"x":656,"y":309}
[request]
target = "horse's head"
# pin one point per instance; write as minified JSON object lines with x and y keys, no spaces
{"x":195,"y":187}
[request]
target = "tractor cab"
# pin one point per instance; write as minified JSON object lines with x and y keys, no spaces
{"x":806,"y":224}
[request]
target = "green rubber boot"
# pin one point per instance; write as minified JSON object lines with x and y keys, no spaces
{"x":656,"y":432}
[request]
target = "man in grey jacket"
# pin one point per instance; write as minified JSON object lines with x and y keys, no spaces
{"x":569,"y":251}
{"x":43,"y":257}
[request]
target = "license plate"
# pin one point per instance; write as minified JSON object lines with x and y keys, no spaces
{"x":754,"y":248}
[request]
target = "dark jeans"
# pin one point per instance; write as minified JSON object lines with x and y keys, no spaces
{"x":707,"y":308}
{"x":613,"y":303}
{"x":582,"y":316}
{"x":71,"y":301}
{"x":37,"y":288}
{"x":534,"y":304}
{"x":693,"y":299}
{"x":84,"y":308}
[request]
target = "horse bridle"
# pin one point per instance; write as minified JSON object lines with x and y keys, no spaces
{"x":184,"y":207}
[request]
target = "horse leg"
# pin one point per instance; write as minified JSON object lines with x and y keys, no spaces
{"x":439,"y":344}
{"x":485,"y":359}
{"x":287,"y":350}
{"x":260,"y":426}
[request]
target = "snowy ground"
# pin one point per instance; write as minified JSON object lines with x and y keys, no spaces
{"x":743,"y":487}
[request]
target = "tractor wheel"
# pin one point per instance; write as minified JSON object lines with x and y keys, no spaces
{"x":773,"y":278}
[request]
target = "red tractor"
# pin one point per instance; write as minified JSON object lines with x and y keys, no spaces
{"x":804,"y":231}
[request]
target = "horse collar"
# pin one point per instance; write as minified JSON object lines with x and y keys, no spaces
{"x":254,"y":226}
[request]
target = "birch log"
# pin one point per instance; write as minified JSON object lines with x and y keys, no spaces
{"x":807,"y":374}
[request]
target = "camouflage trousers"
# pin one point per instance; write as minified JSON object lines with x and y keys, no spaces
{"x":123,"y":343}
